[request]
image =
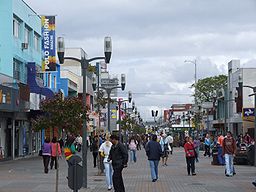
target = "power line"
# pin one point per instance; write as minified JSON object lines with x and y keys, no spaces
{"x":150,"y":93}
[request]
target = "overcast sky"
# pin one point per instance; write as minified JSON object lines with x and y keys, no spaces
{"x":152,"y":38}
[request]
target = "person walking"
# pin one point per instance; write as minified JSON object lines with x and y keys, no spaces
{"x":229,"y":150}
{"x":197,"y":144}
{"x":221,"y":159}
{"x":165,"y":149}
{"x":79,"y":142}
{"x":46,"y":153}
{"x":207,"y":145}
{"x":55,"y":153}
{"x":190,"y":155}
{"x":95,"y":150}
{"x":170,"y":141}
{"x":119,"y":156}
{"x":133,"y":148}
{"x":154,"y":152}
{"x":104,"y":152}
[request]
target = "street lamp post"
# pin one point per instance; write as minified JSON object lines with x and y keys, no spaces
{"x":84,"y":64}
{"x":119,"y":113}
{"x":108,"y":91}
{"x":195,"y":63}
{"x":154,"y":114}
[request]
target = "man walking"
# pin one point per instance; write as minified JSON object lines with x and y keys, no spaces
{"x":229,"y":150}
{"x":207,"y":144}
{"x":119,"y":156}
{"x":221,"y":159}
{"x":154,"y":152}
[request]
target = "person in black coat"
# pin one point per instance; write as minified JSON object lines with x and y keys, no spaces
{"x":119,"y":156}
{"x":154,"y":152}
{"x":95,"y":149}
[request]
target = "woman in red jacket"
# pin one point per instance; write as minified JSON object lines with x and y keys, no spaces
{"x":190,"y":155}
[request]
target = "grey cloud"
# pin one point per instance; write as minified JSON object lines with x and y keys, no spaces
{"x":152,"y":38}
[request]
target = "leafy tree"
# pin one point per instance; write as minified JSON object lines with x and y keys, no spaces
{"x":131,"y":125}
{"x":206,"y":87}
{"x":63,"y":114}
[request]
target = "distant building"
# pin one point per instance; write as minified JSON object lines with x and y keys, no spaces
{"x":235,"y":112}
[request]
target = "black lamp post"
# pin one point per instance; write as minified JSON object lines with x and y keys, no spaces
{"x":119,"y":113}
{"x":84,"y":64}
{"x":108,"y":91}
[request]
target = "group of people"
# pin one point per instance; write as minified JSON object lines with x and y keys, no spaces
{"x":226,"y":146}
{"x":115,"y":154}
{"x":50,"y":152}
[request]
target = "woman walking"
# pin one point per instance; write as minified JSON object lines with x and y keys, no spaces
{"x":46,"y":152}
{"x":190,"y":155}
{"x":133,"y":148}
{"x":95,"y":150}
{"x":165,"y":149}
{"x":197,"y":144}
{"x":56,"y":152}
{"x":104,"y":152}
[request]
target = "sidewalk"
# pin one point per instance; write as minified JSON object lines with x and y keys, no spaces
{"x":27,"y":176}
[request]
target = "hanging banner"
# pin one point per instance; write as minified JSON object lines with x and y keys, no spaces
{"x":48,"y":43}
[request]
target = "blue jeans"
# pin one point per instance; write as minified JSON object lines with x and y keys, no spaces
{"x":154,"y":168}
{"x":229,"y":164}
{"x":221,"y":159}
{"x":108,"y":172}
{"x":133,"y":155}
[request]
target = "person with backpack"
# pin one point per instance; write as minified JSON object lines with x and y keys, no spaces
{"x":228,"y":151}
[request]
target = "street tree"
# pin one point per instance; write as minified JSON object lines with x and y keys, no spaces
{"x":206,"y":87}
{"x":61,"y":113}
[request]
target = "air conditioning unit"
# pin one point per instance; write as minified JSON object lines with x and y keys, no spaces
{"x":24,"y":46}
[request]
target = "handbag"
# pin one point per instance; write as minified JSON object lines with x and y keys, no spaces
{"x":40,"y":153}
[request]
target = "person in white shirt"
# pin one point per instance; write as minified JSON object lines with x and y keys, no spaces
{"x":79,"y":142}
{"x":170,"y":141}
{"x":104,"y":152}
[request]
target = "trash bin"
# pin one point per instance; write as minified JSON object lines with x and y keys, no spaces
{"x":250,"y":154}
{"x":215,"y":156}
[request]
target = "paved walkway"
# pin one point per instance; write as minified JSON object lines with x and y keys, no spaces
{"x":27,"y":176}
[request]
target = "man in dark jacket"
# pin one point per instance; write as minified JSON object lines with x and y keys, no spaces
{"x":119,"y":156}
{"x":154,"y":152}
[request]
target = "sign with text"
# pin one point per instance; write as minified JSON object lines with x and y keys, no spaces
{"x":48,"y":43}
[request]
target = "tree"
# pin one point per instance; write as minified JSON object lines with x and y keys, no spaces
{"x":64,"y":114}
{"x":205,"y":87}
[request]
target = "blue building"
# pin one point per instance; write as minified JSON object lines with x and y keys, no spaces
{"x":20,"y":43}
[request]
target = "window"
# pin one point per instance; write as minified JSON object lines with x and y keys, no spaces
{"x":17,"y":69}
{"x":26,"y":35}
{"x":16,"y":28}
{"x":37,"y":42}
